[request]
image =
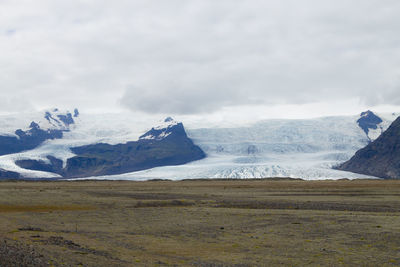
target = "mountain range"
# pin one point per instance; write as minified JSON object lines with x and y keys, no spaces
{"x":57,"y":144}
{"x":161,"y":146}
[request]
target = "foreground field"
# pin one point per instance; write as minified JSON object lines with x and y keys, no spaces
{"x":200,"y":223}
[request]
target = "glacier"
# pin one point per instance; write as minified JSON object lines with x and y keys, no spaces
{"x":304,"y":149}
{"x":296,"y":148}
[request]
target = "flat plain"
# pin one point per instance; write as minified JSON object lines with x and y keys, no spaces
{"x":267,"y":222}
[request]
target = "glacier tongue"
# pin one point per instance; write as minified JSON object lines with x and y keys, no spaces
{"x":223,"y":168}
{"x":274,"y":148}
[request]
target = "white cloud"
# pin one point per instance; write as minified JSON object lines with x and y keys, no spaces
{"x":190,"y":57}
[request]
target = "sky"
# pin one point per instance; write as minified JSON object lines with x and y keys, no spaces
{"x":254,"y":58}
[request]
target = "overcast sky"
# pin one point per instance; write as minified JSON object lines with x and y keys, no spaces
{"x":193,"y":57}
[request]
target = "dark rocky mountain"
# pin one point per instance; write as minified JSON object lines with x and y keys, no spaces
{"x":4,"y":174}
{"x":161,"y":146}
{"x":35,"y":135}
{"x":54,"y":165}
{"x":380,"y":158}
{"x":368,"y":120}
{"x":76,"y":113}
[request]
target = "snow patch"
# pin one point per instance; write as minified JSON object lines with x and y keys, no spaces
{"x":165,"y":124}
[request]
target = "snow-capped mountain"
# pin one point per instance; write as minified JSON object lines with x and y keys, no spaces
{"x":164,"y":145}
{"x":52,"y":119}
{"x":272,"y":148}
{"x":51,"y":126}
{"x":161,"y":131}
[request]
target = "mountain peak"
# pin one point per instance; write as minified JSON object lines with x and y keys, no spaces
{"x":368,"y":121}
{"x":168,"y":119}
{"x":56,"y":119}
{"x":34,"y":125}
{"x":166,"y":128}
{"x":165,"y":124}
{"x":366,"y":113}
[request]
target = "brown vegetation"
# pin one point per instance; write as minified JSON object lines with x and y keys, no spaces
{"x":200,"y":223}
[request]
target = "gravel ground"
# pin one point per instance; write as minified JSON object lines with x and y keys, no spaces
{"x":15,"y":254}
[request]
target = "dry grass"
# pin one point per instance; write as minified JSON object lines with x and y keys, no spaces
{"x":205,"y":223}
{"x":42,"y":208}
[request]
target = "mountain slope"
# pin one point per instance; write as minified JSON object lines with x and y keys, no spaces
{"x":52,"y":126}
{"x":161,"y":146}
{"x":380,"y":158}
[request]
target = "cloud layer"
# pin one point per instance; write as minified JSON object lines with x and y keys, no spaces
{"x":189,"y":57}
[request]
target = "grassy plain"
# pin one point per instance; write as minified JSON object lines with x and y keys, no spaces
{"x":201,"y":223}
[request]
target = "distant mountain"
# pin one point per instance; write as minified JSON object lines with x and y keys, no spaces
{"x":164,"y":145}
{"x":52,"y":126}
{"x":63,"y":144}
{"x":380,"y":158}
{"x":368,"y":122}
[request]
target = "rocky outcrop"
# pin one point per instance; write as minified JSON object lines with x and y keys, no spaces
{"x":380,"y":158}
{"x":368,"y":120}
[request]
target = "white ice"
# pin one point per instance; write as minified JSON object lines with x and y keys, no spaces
{"x":272,"y":148}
